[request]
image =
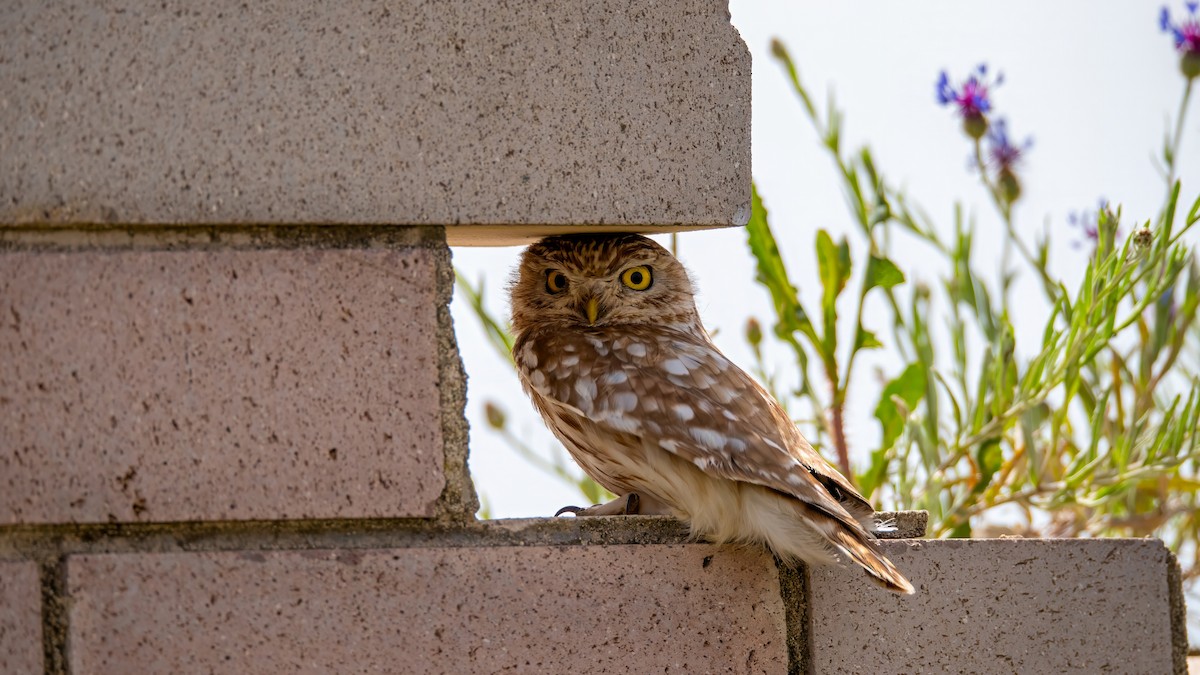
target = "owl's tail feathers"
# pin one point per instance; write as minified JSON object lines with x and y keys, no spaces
{"x":878,"y":568}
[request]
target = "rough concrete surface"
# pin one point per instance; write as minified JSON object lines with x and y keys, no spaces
{"x":677,"y":609}
{"x":1000,"y":606}
{"x":227,"y":384}
{"x":605,"y":112}
{"x":20,"y":618}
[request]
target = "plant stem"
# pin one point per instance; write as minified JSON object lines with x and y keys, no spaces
{"x":837,"y":431}
{"x":1177,"y":136}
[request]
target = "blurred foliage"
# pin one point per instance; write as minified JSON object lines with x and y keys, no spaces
{"x":1092,"y":431}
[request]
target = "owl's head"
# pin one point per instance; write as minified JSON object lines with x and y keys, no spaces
{"x":598,"y":280}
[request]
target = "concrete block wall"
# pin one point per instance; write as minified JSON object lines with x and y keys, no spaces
{"x":231,"y":404}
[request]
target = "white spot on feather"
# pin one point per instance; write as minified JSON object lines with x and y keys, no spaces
{"x":622,"y":423}
{"x":615,"y":377}
{"x":625,"y":401}
{"x":675,"y":367}
{"x":569,"y":360}
{"x":538,"y":379}
{"x":729,"y":415}
{"x":636,"y":349}
{"x":669,"y":445}
{"x":528,"y":357}
{"x":683,"y":411}
{"x":586,"y":388}
{"x":709,"y":438}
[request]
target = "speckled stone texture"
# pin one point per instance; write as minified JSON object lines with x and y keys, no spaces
{"x":20,"y":618}
{"x":1000,"y":606}
{"x":605,"y":112}
{"x":594,"y":609}
{"x":219,"y":384}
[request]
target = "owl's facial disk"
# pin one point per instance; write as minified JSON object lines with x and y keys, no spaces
{"x":588,"y":282}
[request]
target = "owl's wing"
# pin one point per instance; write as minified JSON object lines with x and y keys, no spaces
{"x":679,"y":391}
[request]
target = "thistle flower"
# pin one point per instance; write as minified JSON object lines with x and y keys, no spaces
{"x":971,"y":99}
{"x":1186,"y":34}
{"x":1003,"y":157}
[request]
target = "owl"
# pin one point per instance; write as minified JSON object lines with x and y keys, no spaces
{"x":611,"y":350}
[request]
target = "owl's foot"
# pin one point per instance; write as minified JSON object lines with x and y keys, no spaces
{"x":630,"y":504}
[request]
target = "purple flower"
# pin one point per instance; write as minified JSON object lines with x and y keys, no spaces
{"x":1186,"y":33}
{"x":1187,"y":38}
{"x":1088,"y":223}
{"x":971,"y":98}
{"x":1002,"y":154}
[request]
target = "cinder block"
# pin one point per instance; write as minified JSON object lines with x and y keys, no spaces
{"x":594,"y":609}
{"x":219,"y":384}
{"x":1001,"y":606}
{"x":438,"y":112}
{"x":20,"y":618}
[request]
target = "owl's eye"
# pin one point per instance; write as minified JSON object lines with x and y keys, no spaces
{"x":638,"y":278}
{"x":556,"y":282}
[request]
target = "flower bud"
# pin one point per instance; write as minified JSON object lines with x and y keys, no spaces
{"x":754,"y":334}
{"x":975,"y":126}
{"x":1143,"y":238}
{"x":1189,"y":64}
{"x":495,"y":416}
{"x":1010,"y":187}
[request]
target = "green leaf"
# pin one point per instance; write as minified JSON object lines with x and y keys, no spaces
{"x":989,"y":457}
{"x":833,"y":265}
{"x":961,"y":531}
{"x":909,"y":387}
{"x":882,"y":273}
{"x":866,"y":340}
{"x":771,"y":273}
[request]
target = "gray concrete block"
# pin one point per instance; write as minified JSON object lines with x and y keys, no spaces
{"x":1001,"y":606}
{"x":520,"y":116}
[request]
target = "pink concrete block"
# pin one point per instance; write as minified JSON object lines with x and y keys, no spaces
{"x":1000,"y":606}
{"x":20,"y":618}
{"x":594,"y":609}
{"x":174,"y":385}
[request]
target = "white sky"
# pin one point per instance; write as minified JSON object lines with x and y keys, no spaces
{"x":1094,"y":83}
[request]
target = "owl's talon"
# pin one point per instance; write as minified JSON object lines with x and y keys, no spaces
{"x":573,"y":510}
{"x":633,"y":504}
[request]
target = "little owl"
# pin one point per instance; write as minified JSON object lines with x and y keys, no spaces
{"x":611,"y":350}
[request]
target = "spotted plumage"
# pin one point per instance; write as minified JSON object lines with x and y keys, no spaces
{"x":612,"y":352}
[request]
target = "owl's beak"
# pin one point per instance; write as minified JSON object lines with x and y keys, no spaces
{"x":592,"y":309}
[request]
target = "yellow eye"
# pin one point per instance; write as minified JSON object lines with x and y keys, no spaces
{"x":638,"y":278}
{"x":556,"y":282}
